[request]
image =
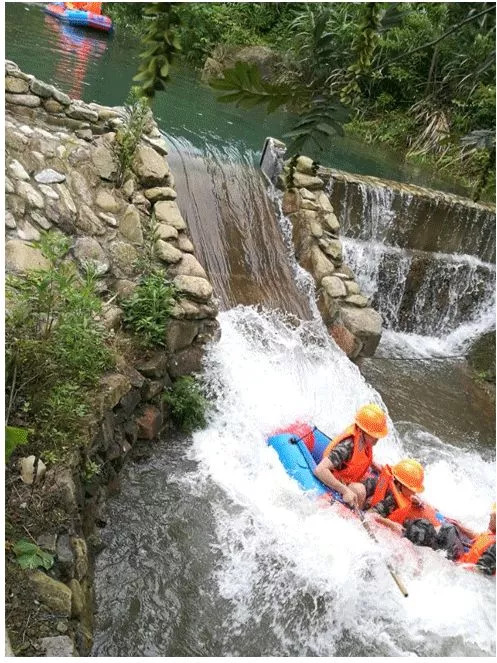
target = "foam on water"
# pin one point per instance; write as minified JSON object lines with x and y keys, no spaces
{"x":312,"y":579}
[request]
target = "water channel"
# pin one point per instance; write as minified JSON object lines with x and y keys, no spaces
{"x":211,"y":550}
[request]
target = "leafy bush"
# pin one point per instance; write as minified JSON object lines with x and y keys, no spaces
{"x":128,"y":136}
{"x":14,"y":437}
{"x":31,"y":556}
{"x":188,"y":405}
{"x":147,"y":310}
{"x":55,"y":348}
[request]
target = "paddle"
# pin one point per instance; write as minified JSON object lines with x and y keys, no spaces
{"x":368,"y":529}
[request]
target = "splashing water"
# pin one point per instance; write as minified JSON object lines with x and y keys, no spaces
{"x":317,"y":579}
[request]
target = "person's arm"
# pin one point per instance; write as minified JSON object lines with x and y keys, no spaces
{"x":396,"y":527}
{"x":323,"y":471}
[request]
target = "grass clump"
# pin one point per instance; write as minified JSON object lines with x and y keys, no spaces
{"x":129,"y":134}
{"x":188,"y":404}
{"x":55,"y":349}
{"x":148,"y":309}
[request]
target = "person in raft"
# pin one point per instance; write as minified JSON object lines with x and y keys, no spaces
{"x":349,"y":455}
{"x":395,"y":504}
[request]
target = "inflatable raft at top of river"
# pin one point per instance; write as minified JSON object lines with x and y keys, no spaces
{"x":81,"y":14}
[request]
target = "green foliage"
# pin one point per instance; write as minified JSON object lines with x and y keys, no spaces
{"x":147,"y":310}
{"x":14,"y":437}
{"x":188,"y":405}
{"x":31,"y":556}
{"x":128,"y":136}
{"x":91,"y":470}
{"x":128,"y":15}
{"x":244,"y":87}
{"x":161,"y":43}
{"x":55,"y":348}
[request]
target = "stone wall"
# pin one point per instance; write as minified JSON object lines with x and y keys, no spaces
{"x":355,"y":326}
{"x":61,"y":174}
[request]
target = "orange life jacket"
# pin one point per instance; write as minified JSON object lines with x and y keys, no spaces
{"x":478,"y":547}
{"x":360,"y":460}
{"x":405,"y":508}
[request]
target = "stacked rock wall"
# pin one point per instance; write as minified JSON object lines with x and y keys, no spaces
{"x":355,"y":326}
{"x":61,"y":174}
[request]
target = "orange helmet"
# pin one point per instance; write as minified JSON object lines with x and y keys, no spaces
{"x":372,"y":420}
{"x":410,"y":473}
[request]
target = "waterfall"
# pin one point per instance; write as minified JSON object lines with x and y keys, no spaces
{"x":394,"y":241}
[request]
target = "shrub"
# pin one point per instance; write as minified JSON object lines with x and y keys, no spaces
{"x":188,"y":405}
{"x":55,"y":348}
{"x":128,"y":136}
{"x":147,"y":310}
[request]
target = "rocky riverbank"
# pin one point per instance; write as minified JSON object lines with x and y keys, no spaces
{"x":61,"y":174}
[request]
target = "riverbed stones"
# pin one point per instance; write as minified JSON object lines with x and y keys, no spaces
{"x":27,"y":231}
{"x":52,"y":106}
{"x":80,"y":112}
{"x":320,"y":265}
{"x":167,"y":211}
{"x":150,"y":166}
{"x":150,"y":423}
{"x":49,"y":176}
{"x":310,"y":182}
{"x":357,"y":300}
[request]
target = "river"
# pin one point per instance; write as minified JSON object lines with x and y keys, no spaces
{"x":211,"y":550}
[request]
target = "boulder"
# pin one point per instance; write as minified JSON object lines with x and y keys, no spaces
{"x":193,"y":286}
{"x":311,"y":182}
{"x":155,"y":366}
{"x":160,"y":193}
{"x":149,"y":424}
{"x":88,"y":222}
{"x":357,"y":300}
{"x":186,"y":362}
{"x":17,"y":170}
{"x":29,"y":100}
{"x":345,"y":340}
{"x":323,"y":201}
{"x":320,"y":265}
{"x":167,"y":211}
{"x":112,"y":388}
{"x":103,"y":160}
{"x":106,"y":201}
{"x":331,"y":222}
{"x":59,"y":645}
{"x":180,"y":334}
{"x":188,"y":266}
{"x":27,"y":467}
{"x":19,"y":257}
{"x":61,"y":97}
{"x":16,"y":85}
{"x":80,"y":112}
{"x":26,"y":231}
{"x":150,"y":166}
{"x":88,"y":251}
{"x":334,"y":286}
{"x":41,"y":89}
{"x":352,"y":287}
{"x":52,"y":106}
{"x":49,"y":176}
{"x":365,"y":324}
{"x":30,"y":195}
{"x":305,"y":165}
{"x":333,"y":248}
{"x":184,"y":244}
{"x":167,"y":252}
{"x":124,"y":257}
{"x":165,"y":232}
{"x":81,"y":563}
{"x":130,"y":226}
{"x":52,"y":593}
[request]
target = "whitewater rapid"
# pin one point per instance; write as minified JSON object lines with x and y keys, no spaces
{"x":283,"y":560}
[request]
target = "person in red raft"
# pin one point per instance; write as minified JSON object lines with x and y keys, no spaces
{"x":349,"y":456}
